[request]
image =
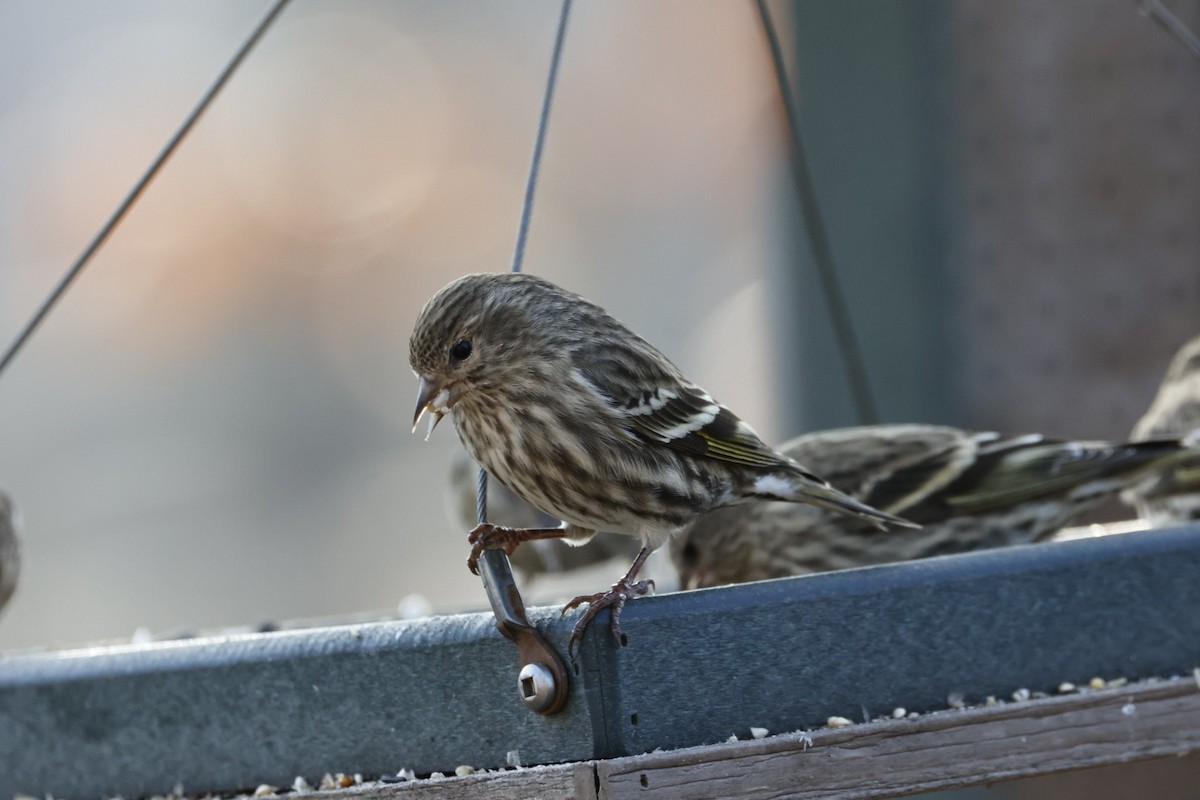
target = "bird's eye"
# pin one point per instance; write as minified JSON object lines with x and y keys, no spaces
{"x":460,"y":350}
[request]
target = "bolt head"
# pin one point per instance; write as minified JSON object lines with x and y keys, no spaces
{"x":536,"y":686}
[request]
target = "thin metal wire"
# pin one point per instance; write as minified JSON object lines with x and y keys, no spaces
{"x":852,"y":358}
{"x":481,"y":496}
{"x":527,"y":205}
{"x":1170,"y":23}
{"x":151,"y":172}
{"x":543,"y":123}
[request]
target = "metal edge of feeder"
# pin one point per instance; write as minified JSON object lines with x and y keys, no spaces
{"x":229,"y":713}
{"x":788,"y":654}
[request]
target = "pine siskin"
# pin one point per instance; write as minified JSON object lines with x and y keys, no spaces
{"x":505,"y":508}
{"x":970,"y":491}
{"x":1175,"y":497}
{"x":10,"y":552}
{"x":585,"y":420}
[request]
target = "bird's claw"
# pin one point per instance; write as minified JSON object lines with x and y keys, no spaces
{"x":487,"y":536}
{"x":615,"y":598}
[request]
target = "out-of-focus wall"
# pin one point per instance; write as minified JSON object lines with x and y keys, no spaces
{"x":1077,"y":210}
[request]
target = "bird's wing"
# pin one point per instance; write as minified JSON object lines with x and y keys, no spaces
{"x":658,"y":405}
{"x":891,"y":467}
{"x":1020,"y":469}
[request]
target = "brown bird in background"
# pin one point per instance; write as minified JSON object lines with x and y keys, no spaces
{"x":969,"y":491}
{"x":10,"y":551}
{"x":1174,"y":498}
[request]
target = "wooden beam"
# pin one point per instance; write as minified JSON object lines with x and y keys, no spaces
{"x":556,"y":782}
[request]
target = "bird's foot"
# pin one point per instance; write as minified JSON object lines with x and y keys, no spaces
{"x":615,"y":598}
{"x":487,"y":536}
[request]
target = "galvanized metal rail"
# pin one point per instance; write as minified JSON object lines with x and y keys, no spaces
{"x":230,"y":713}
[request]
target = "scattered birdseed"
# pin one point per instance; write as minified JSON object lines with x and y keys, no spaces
{"x":1096,"y":683}
{"x":956,"y":700}
{"x":437,"y":775}
{"x":1116,"y":683}
{"x":759,"y":733}
{"x":1066,"y":687}
{"x":301,"y":785}
{"x":328,"y":782}
{"x":414,"y":606}
{"x":913,"y":714}
{"x":838,"y":722}
{"x":1196,"y":675}
{"x":464,"y":769}
{"x":1129,"y":709}
{"x":265,"y":790}
{"x":899,"y":712}
{"x":513,"y":758}
{"x":1039,"y":695}
{"x":991,"y":700}
{"x":1021,"y":695}
{"x":344,"y":781}
{"x":732,"y":737}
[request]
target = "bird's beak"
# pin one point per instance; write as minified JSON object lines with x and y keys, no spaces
{"x":431,"y":397}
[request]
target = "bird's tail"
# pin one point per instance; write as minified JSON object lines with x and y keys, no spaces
{"x":804,"y":487}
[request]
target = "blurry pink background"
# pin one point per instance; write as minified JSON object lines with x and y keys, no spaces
{"x":213,"y":427}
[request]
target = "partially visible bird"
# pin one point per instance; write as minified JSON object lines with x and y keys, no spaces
{"x":541,"y":556}
{"x":10,"y":551}
{"x":588,"y":422}
{"x":969,"y":490}
{"x":1175,"y":497}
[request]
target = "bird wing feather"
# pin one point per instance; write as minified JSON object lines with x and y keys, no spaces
{"x":662,"y":407}
{"x":1027,"y":470}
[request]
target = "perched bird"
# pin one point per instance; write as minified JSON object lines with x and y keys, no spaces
{"x":1175,"y":497}
{"x":541,"y":556}
{"x":10,"y":552}
{"x":588,"y":422}
{"x":969,"y":490}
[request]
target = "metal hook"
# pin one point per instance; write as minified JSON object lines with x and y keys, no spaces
{"x":542,"y":681}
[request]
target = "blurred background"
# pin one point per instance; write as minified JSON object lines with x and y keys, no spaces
{"x":213,"y":427}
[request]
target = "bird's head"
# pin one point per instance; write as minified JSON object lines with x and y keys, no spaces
{"x":482,"y":335}
{"x":713,"y":550}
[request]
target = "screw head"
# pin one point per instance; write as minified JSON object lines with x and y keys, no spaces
{"x":536,"y":685}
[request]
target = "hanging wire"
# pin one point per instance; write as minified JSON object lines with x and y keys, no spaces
{"x":1171,"y":24}
{"x":527,"y":205}
{"x":835,"y":300}
{"x":151,"y":172}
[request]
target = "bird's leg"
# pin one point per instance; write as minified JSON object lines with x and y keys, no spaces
{"x":487,"y":536}
{"x":615,"y":597}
